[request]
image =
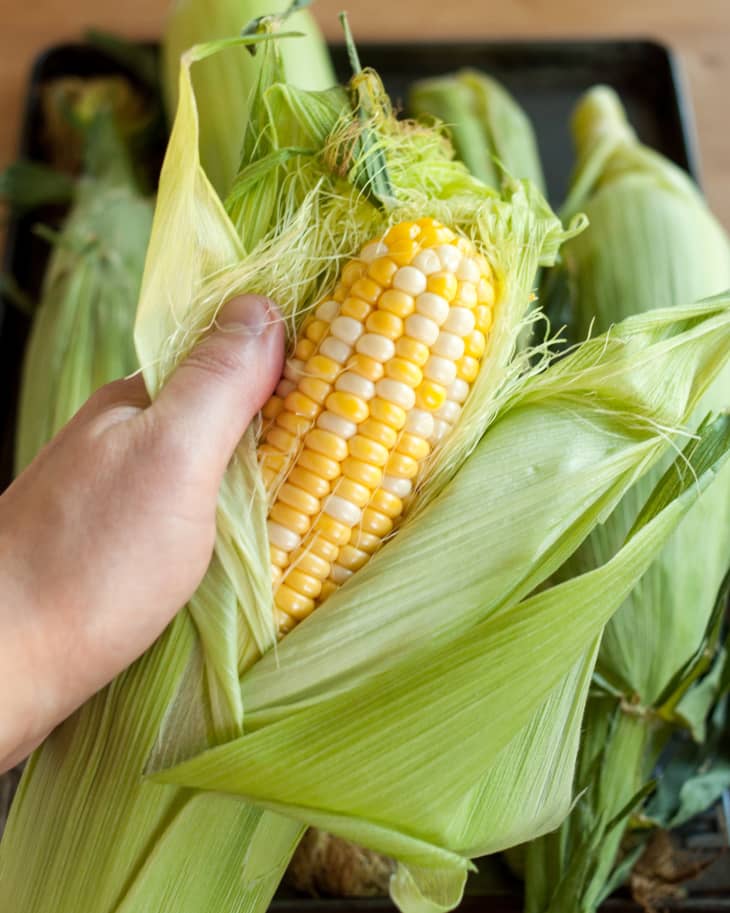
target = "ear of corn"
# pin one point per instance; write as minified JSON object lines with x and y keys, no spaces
{"x":490,"y":131}
{"x":81,"y":336}
{"x":651,"y":238}
{"x":400,"y":663}
{"x":224,"y":83}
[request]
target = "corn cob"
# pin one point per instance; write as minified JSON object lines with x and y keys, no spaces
{"x":377,"y":379}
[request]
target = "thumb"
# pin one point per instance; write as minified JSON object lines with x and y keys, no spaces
{"x":224,"y":381}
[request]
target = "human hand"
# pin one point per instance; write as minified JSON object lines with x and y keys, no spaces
{"x":109,"y":531}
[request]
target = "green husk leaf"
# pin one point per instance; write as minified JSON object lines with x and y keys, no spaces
{"x":27,"y":185}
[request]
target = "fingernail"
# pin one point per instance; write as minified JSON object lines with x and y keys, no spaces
{"x":249,"y":314}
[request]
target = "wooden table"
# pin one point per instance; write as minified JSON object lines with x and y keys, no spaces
{"x":698,"y":30}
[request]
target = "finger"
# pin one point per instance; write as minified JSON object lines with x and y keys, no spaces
{"x":227,"y":377}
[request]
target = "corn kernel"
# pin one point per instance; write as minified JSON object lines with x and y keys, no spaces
{"x":336,"y":532}
{"x":475,"y":344}
{"x":296,"y":424}
{"x":298,"y":499}
{"x":367,"y":542}
{"x":485,"y":292}
{"x":306,"y":561}
{"x":304,"y":584}
{"x":293,"y":603}
{"x":383,"y":323}
{"x":385,"y":411}
{"x":466,"y":295}
{"x":316,"y":330}
{"x":382,"y":271}
{"x":403,"y":250}
{"x":323,"y":548}
{"x":328,"y":588}
{"x":282,"y":440}
{"x":310,"y":482}
{"x":319,"y":464}
{"x":380,"y":432}
{"x":430,"y":395}
{"x":326,"y":443}
{"x":352,"y":558}
{"x":413,"y":446}
{"x":278,"y":556}
{"x":322,"y":368}
{"x":366,"y":474}
{"x":300,"y":404}
{"x":272,"y":458}
{"x":366,"y":367}
{"x":443,"y":284}
{"x":397,"y":302}
{"x":272,"y":407}
{"x":315,"y":389}
{"x":291,"y":519}
{"x":484,"y":317}
{"x":341,"y":292}
{"x":403,"y":230}
{"x":386,"y":503}
{"x":355,"y":308}
{"x":352,"y":271}
{"x":366,"y":289}
{"x":413,"y":350}
{"x":467,"y":368}
{"x":401,"y":466}
{"x":304,"y":349}
{"x":353,"y":491}
{"x":375,"y":522}
{"x":347,"y":405}
{"x":404,"y":371}
{"x":367,"y":450}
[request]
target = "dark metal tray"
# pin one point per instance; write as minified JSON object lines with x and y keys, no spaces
{"x":547,"y":79}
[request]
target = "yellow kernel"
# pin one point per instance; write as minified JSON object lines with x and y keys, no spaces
{"x":282,"y":440}
{"x":387,"y":503}
{"x":304,"y":584}
{"x":272,"y":458}
{"x":443,"y":283}
{"x":306,"y":561}
{"x":475,"y":344}
{"x":304,"y":349}
{"x":325,"y":442}
{"x":298,"y":499}
{"x":353,"y":491}
{"x":309,"y":481}
{"x":292,"y":519}
{"x":342,"y":290}
{"x":316,"y":330}
{"x":484,"y":317}
{"x":355,"y":308}
{"x":467,"y":368}
{"x":318,"y":463}
{"x":270,"y":476}
{"x":366,"y":289}
{"x":397,"y":302}
{"x":314,"y":388}
{"x":407,"y":230}
{"x":321,"y":367}
{"x":367,"y":542}
{"x":332,"y":529}
{"x":405,"y":371}
{"x":380,"y":432}
{"x":352,"y":271}
{"x":368,"y":451}
{"x":466,"y":295}
{"x":365,"y":366}
{"x":328,"y":588}
{"x":485,"y":292}
{"x":413,"y":350}
{"x":293,"y":603}
{"x":385,"y":324}
{"x":323,"y":548}
{"x":402,"y":466}
{"x":365,"y":474}
{"x":375,"y":522}
{"x":272,"y":407}
{"x":413,"y":446}
{"x":352,"y":558}
{"x":295,"y":424}
{"x":348,"y":406}
{"x":300,"y":404}
{"x":276,"y":574}
{"x":385,"y":411}
{"x":284,"y":623}
{"x":382,"y":271}
{"x":428,"y":222}
{"x":402,"y":250}
{"x":278,"y":556}
{"x":430,"y":395}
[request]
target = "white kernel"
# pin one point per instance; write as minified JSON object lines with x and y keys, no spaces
{"x":409,"y":279}
{"x":440,"y":428}
{"x":342,"y":510}
{"x":335,"y":349}
{"x":396,"y":392}
{"x":349,"y":382}
{"x":460,"y":321}
{"x":285,"y":387}
{"x":293,"y":369}
{"x":340,"y":574}
{"x":283,"y":538}
{"x":468,"y":271}
{"x":372,"y":251}
{"x":347,"y":329}
{"x":422,"y":329}
{"x":449,"y":412}
{"x":327,"y":311}
{"x":449,"y":257}
{"x":427,"y":261}
{"x":440,"y":369}
{"x":420,"y":422}
{"x":343,"y":428}
{"x":449,"y":346}
{"x":458,"y":390}
{"x":433,"y":306}
{"x":376,"y":346}
{"x":401,"y":488}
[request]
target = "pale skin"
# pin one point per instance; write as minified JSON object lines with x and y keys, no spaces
{"x":107,"y":534}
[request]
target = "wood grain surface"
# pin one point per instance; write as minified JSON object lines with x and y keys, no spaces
{"x":698,"y":30}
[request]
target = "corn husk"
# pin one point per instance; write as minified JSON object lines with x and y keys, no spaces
{"x":224,"y":83}
{"x":81,"y":336}
{"x":651,"y":238}
{"x":490,"y":132}
{"x":433,"y":672}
